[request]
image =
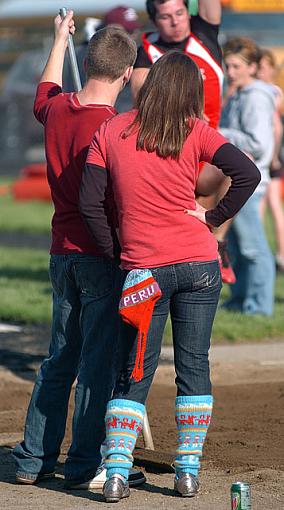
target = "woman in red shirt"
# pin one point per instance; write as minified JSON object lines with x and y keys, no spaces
{"x":150,"y":156}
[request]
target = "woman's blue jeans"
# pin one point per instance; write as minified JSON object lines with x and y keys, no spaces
{"x":253,"y":263}
{"x":190,"y":293}
{"x":85,"y":324}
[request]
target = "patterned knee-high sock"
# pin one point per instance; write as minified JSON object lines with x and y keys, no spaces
{"x":124,"y":421}
{"x":193,"y":415}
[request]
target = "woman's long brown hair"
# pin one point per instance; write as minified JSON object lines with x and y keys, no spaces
{"x":168,"y":103}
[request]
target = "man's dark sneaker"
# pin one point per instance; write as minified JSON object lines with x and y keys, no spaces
{"x":31,"y":479}
{"x":227,"y":273}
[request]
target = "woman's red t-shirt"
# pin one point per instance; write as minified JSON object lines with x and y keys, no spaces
{"x":151,"y":194}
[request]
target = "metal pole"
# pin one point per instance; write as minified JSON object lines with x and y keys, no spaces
{"x":72,"y":56}
{"x":147,"y":435}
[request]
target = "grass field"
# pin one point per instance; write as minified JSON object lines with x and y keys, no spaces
{"x":30,"y":217}
{"x":26,"y":293}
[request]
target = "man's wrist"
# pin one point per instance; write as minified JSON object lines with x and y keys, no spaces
{"x":60,"y":43}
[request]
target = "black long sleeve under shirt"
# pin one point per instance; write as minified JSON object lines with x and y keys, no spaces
{"x":245,"y":178}
{"x":233,"y":163}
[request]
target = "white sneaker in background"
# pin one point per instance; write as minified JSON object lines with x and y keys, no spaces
{"x":136,"y":478}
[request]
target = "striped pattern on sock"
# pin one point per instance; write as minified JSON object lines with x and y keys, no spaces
{"x":124,"y":421}
{"x":193,"y":416}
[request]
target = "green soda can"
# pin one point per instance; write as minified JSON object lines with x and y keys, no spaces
{"x":240,"y":496}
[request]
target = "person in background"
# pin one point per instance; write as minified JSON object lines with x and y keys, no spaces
{"x":197,"y":37}
{"x":247,"y":121}
{"x":266,"y":72}
{"x":151,"y":157}
{"x":120,"y":16}
{"x":86,"y":285}
{"x":125,"y":17}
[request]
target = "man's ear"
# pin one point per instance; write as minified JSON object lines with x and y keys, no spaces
{"x":128,"y":73}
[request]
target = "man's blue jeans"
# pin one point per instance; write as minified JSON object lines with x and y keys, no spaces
{"x":190,"y":293}
{"x":86,"y":292}
{"x":253,"y":263}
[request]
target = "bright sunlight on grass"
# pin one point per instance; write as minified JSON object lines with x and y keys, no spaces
{"x":26,"y":291}
{"x":24,"y":285}
{"x":31,"y":217}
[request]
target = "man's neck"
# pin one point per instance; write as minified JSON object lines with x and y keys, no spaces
{"x":248,"y":82}
{"x":99,"y":92}
{"x":171,"y":44}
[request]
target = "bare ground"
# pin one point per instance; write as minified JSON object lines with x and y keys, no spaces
{"x":245,"y":441}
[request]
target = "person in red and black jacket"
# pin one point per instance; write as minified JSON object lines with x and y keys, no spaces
{"x":197,"y":37}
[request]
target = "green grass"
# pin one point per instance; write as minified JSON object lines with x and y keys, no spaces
{"x":26,"y":297}
{"x":30,"y":217}
{"x":24,"y":286}
{"x":234,"y":327}
{"x":26,"y":293}
{"x":24,"y":283}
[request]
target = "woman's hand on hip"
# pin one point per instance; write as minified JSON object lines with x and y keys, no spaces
{"x":198,"y":213}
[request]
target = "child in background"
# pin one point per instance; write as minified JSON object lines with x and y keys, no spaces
{"x":267,"y":71}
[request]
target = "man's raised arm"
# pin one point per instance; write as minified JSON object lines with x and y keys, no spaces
{"x":54,"y":66}
{"x":210,"y":11}
{"x":138,"y":77}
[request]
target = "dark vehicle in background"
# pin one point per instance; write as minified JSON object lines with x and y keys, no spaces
{"x":21,"y":135}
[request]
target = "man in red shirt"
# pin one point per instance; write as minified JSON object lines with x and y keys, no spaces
{"x":86,"y":286}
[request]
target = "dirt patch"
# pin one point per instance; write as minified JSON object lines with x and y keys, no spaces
{"x":245,"y":440}
{"x":245,"y":431}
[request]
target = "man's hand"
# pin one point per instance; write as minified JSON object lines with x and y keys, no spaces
{"x":54,"y":66}
{"x":64,"y":27}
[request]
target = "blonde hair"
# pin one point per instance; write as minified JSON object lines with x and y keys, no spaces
{"x":245,"y":47}
{"x":268,"y":55}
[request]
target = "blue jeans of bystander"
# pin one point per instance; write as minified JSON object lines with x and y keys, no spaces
{"x":253,"y":263}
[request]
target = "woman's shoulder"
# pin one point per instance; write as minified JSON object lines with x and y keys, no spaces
{"x":200,"y":125}
{"x":122,"y":119}
{"x":200,"y":130}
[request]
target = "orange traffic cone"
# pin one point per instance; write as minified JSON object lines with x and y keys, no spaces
{"x":32,"y":184}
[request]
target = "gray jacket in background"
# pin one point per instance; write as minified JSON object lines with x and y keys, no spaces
{"x":247,"y":122}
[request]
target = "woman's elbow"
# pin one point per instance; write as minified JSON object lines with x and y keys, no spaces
{"x":255,"y":176}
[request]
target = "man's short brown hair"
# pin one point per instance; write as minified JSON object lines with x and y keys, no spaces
{"x":110,"y":52}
